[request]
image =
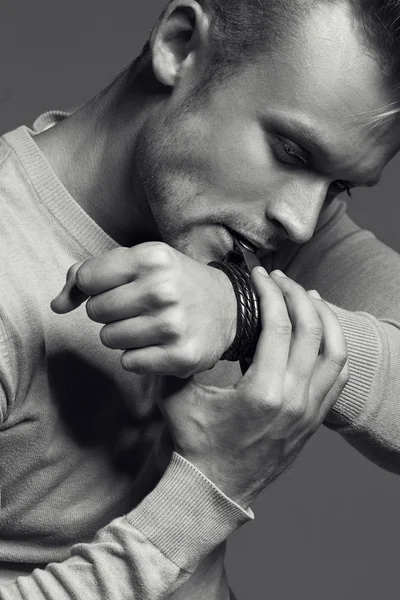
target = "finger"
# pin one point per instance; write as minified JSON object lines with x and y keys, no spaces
{"x":268,"y":369}
{"x":106,"y":271}
{"x":307,"y":330}
{"x":70,"y":296}
{"x":331,"y":362}
{"x":138,"y":332}
{"x":157,"y":360}
{"x":122,"y":265}
{"x":123,"y":302}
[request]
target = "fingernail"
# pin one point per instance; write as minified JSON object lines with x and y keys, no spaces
{"x":314,"y":294}
{"x":262,"y":271}
{"x":278,"y":272}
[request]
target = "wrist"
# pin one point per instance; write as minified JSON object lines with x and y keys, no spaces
{"x":218,"y":476}
{"x":229,"y":309}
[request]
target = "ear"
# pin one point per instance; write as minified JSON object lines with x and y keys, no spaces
{"x":179,"y":34}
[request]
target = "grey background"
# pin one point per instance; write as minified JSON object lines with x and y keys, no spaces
{"x":329,"y":528}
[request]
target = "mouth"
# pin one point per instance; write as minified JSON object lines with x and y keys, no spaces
{"x":242,"y":240}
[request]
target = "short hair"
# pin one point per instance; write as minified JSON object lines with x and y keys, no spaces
{"x":380,"y":27}
{"x":241,"y":29}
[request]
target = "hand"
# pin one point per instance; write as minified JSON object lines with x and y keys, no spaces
{"x":243,"y":436}
{"x":169,"y":313}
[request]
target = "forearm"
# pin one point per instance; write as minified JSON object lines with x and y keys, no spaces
{"x":146,"y":554}
{"x":367,"y":412}
{"x":360,"y":277}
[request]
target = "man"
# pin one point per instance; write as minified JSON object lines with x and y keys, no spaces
{"x":210,"y":129}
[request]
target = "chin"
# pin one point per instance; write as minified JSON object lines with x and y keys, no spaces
{"x":192,"y":249}
{"x":200,"y":249}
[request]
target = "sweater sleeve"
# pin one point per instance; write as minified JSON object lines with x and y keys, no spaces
{"x":359,"y":277}
{"x":146,"y":554}
{"x":6,"y":392}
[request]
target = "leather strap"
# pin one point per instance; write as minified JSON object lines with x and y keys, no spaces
{"x":237,"y":265}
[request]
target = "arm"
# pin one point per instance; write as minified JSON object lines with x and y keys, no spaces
{"x":154,"y":549}
{"x":147,"y":553}
{"x":360,"y":277}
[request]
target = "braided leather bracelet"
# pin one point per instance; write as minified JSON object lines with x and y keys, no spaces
{"x":244,"y":312}
{"x":237,"y":266}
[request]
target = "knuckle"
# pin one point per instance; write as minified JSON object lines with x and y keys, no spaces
{"x":159,"y":255}
{"x":178,"y":366}
{"x":128,"y":363}
{"x":274,"y":292}
{"x":273,"y":403}
{"x":190,"y":356}
{"x":83,"y":278}
{"x":153,"y":297}
{"x":105,"y":337}
{"x":165,"y":293}
{"x":268,"y":405}
{"x":185,"y":360}
{"x":168,"y":292}
{"x":295,"y":410}
{"x":296,"y":405}
{"x":313,"y":331}
{"x":92,"y":309}
{"x":338,"y":360}
{"x":73,"y":269}
{"x":282,"y":326}
{"x":169,"y":326}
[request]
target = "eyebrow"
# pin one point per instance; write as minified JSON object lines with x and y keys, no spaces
{"x":305,"y":136}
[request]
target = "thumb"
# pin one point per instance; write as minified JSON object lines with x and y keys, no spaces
{"x":70,"y":296}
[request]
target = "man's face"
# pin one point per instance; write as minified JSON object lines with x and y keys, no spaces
{"x":265,"y":151}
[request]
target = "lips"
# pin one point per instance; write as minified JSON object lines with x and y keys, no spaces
{"x":243,"y":241}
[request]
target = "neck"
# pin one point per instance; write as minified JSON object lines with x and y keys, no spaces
{"x":92,"y":153}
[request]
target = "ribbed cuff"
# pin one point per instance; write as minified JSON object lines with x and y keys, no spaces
{"x":364,"y":349}
{"x":186,"y":516}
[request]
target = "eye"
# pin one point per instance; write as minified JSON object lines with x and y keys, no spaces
{"x":342,"y":186}
{"x":288,"y":152}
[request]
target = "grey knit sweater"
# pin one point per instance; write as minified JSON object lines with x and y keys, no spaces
{"x":82,"y":442}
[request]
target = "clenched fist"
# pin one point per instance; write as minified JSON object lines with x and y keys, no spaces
{"x":169,"y":313}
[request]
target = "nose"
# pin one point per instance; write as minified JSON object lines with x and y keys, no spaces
{"x":296,"y":210}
